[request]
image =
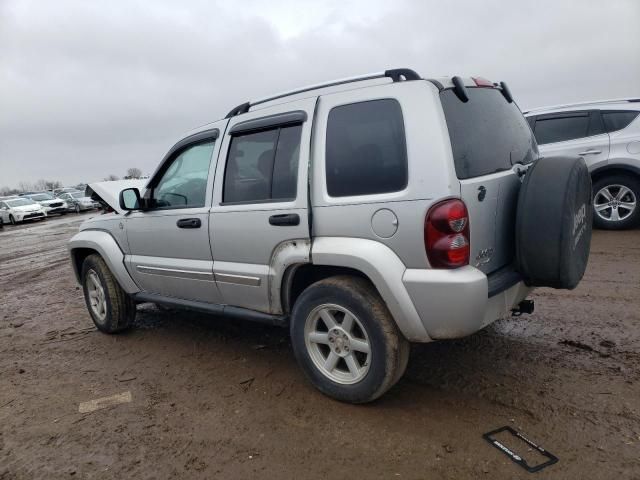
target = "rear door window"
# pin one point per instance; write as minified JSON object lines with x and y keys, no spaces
{"x":263,"y":166}
{"x":487,"y":133}
{"x":366,"y":150}
{"x":561,"y":129}
{"x":617,"y":120}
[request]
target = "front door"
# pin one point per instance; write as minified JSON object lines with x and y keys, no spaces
{"x":259,"y":218}
{"x":170,"y":252}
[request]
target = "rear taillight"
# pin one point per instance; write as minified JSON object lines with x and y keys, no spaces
{"x":446,"y":234}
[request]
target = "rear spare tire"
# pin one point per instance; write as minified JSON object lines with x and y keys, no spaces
{"x":553,"y":226}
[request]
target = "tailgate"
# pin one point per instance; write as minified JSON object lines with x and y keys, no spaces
{"x":490,"y":141}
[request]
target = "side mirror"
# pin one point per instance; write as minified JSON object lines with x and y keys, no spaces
{"x":130,"y":199}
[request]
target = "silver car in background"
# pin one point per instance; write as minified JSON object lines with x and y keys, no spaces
{"x":607,"y":135}
{"x":78,"y":201}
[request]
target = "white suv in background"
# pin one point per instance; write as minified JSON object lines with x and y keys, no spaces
{"x":607,"y":135}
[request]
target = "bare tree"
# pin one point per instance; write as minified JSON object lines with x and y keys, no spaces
{"x":133,"y":172}
{"x":111,"y":178}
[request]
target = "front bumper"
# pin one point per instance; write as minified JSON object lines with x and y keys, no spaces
{"x":456,"y":303}
{"x":29,"y":216}
{"x":55,"y":210}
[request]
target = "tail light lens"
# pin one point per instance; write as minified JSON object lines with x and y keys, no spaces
{"x":446,"y":234}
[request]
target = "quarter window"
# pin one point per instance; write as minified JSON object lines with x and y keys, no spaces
{"x":184,"y":183}
{"x":263,"y":166}
{"x":366,"y":151}
{"x":614,"y":121}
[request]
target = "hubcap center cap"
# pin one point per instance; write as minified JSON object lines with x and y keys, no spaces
{"x":339,"y":342}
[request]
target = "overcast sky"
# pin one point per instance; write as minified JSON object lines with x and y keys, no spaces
{"x":90,"y":88}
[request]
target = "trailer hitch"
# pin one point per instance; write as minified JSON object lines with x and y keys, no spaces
{"x":525,"y":306}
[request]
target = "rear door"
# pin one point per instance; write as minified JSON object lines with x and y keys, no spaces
{"x":260,"y":205}
{"x":490,"y":142}
{"x":578,"y":133}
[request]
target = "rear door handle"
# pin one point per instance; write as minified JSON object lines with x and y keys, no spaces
{"x":590,"y":152}
{"x":189,"y":223}
{"x":285,"y":220}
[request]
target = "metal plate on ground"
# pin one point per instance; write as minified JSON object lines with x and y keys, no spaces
{"x":514,"y":456}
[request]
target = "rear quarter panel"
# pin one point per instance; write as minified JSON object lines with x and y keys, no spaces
{"x":430,"y":172}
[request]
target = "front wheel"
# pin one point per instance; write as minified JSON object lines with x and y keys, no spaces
{"x":346,"y":341}
{"x":12,"y":220}
{"x":615,"y":202}
{"x":77,"y":208}
{"x":111,"y":309}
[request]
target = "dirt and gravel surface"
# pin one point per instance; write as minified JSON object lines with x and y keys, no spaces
{"x":213,"y":398}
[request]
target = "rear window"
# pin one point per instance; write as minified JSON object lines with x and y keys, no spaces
{"x":488,"y":134}
{"x":618,"y":120}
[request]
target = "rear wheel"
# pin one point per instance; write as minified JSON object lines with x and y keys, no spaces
{"x":615,"y":202}
{"x":111,"y":309}
{"x":346,"y":341}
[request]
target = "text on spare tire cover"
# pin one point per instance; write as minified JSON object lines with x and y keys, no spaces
{"x":579,"y":224}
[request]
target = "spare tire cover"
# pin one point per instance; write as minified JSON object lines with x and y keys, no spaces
{"x":554,"y":221}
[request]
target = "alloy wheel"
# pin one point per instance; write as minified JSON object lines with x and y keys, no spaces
{"x":338,"y":344}
{"x":614,"y":203}
{"x":97,"y":299}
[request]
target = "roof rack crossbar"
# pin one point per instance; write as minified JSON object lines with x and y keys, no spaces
{"x":397,"y":75}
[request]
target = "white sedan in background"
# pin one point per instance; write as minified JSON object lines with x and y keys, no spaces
{"x":19,"y":209}
{"x":50,"y":204}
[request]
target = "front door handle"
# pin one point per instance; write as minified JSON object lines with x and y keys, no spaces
{"x":189,"y":223}
{"x":590,"y":152}
{"x":284,"y":220}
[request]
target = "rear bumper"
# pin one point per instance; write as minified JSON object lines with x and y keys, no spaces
{"x":456,"y":303}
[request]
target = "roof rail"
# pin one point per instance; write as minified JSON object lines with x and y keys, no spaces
{"x":580,"y":104}
{"x":396,"y":74}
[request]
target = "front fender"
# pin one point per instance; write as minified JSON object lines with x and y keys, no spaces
{"x":105,"y":245}
{"x":385,"y":270}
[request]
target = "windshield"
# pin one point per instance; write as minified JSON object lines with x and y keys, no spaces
{"x":20,"y":202}
{"x":77,"y":194}
{"x":39,"y":197}
{"x":487,"y":133}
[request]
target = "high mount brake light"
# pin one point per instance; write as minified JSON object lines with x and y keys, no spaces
{"x":446,"y":234}
{"x":483,"y":82}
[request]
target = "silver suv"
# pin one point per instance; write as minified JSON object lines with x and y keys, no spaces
{"x":364,"y":214}
{"x":607,"y":135}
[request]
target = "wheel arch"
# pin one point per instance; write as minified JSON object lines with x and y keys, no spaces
{"x":616,"y":169}
{"x":88,"y":242}
{"x":362,"y":258}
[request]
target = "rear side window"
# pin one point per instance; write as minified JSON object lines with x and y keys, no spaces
{"x":487,"y":133}
{"x":561,"y":129}
{"x":263,"y":166}
{"x":366,"y":151}
{"x":618,"y":120}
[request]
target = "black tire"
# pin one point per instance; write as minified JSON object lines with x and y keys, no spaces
{"x":12,"y":220}
{"x":389,"y":349}
{"x":613,"y":183}
{"x":77,"y":208}
{"x":120,"y":307}
{"x":554,"y":221}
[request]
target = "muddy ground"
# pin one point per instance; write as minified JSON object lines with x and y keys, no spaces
{"x":213,"y":398}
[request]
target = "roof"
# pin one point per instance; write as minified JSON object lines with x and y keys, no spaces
{"x":633,"y":103}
